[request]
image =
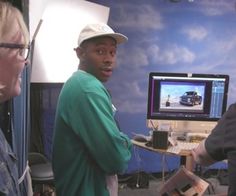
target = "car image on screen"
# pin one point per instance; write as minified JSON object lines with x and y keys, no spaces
{"x":190,"y":98}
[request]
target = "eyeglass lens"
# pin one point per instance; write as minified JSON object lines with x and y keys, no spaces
{"x":23,"y":50}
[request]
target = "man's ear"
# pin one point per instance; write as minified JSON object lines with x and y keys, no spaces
{"x":80,"y":52}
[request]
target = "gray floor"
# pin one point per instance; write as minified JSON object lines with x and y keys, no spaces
{"x":154,"y":185}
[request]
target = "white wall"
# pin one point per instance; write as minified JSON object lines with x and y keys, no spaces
{"x":54,"y":59}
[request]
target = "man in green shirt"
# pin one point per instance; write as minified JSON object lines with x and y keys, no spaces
{"x":88,"y":148}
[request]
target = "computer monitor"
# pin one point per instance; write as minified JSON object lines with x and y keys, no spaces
{"x":186,"y":101}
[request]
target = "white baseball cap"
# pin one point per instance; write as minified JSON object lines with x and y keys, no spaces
{"x":98,"y":30}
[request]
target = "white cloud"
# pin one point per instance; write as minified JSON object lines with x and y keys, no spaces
{"x":195,"y":33}
{"x":135,"y":56}
{"x":133,"y":107}
{"x":131,"y":98}
{"x":232,"y":90}
{"x":171,"y":54}
{"x":140,"y":16}
{"x":225,"y":45}
{"x":216,"y":7}
{"x":135,"y":89}
{"x":138,"y":57}
{"x":219,"y":50}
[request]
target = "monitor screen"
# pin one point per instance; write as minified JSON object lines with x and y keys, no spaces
{"x":184,"y":96}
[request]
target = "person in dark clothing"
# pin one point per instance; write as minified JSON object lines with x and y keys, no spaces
{"x":221,"y":145}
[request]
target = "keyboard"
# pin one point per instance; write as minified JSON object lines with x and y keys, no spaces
{"x":182,"y":146}
{"x":187,"y":145}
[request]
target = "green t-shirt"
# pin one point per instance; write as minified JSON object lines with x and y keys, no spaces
{"x":87,"y":144}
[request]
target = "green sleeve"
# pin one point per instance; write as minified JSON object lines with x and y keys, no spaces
{"x":96,"y":127}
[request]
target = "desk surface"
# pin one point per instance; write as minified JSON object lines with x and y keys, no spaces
{"x":186,"y":158}
{"x":142,"y":145}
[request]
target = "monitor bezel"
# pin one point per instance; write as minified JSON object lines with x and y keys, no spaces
{"x":185,"y":75}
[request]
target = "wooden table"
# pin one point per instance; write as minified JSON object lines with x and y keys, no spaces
{"x":186,"y":158}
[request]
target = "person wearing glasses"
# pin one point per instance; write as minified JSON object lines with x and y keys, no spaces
{"x":88,"y":148}
{"x":14,"y":50}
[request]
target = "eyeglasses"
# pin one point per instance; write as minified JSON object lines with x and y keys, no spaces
{"x":24,"y":50}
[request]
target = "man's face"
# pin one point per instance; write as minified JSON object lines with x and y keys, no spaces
{"x":98,"y":57}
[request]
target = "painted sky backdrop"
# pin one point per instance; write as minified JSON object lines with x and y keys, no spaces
{"x":196,"y":36}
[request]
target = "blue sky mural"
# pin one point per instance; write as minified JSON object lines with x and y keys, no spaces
{"x":197,"y":36}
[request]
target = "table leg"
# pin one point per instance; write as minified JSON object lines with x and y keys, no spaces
{"x":188,"y":162}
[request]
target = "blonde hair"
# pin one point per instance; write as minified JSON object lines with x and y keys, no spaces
{"x":8,"y":15}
